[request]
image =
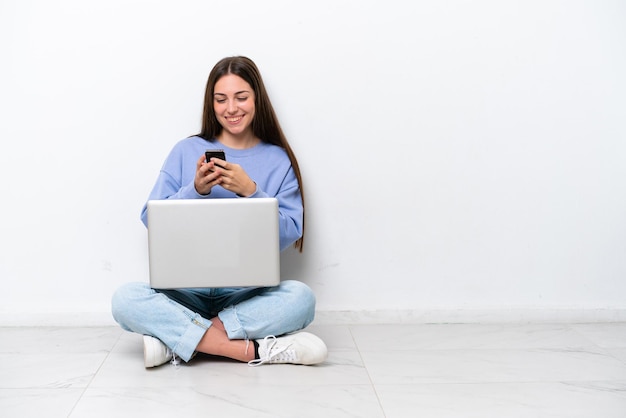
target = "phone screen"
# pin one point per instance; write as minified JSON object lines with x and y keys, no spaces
{"x":217,"y":153}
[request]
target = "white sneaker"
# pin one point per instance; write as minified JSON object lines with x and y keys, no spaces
{"x":155,"y":352}
{"x":300,"y":348}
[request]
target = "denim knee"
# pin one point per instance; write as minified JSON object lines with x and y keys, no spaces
{"x":303,"y":300}
{"x":122,"y":301}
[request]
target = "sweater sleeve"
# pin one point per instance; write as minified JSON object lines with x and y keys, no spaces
{"x":290,"y":208}
{"x":166,"y":187}
{"x":173,"y":181}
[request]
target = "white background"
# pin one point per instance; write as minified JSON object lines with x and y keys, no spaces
{"x":457,"y":155}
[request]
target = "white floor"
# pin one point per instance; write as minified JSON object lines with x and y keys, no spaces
{"x":533,"y":370}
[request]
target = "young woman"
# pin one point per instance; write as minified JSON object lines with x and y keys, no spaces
{"x":255,"y":325}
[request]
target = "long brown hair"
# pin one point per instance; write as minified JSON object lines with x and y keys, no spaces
{"x":265,"y":123}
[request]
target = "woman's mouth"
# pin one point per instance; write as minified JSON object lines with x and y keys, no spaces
{"x":234,"y":119}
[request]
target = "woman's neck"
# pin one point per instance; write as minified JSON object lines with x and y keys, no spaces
{"x":242,"y":141}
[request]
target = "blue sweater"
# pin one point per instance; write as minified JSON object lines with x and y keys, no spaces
{"x":267,"y":165}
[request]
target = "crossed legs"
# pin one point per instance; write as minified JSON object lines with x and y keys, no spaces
{"x":276,"y":311}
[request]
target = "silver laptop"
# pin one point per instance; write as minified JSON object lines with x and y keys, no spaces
{"x":213,"y":243}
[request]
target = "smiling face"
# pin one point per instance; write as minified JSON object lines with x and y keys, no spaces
{"x":233,"y":103}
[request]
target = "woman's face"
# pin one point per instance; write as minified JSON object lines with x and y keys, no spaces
{"x":233,"y":102}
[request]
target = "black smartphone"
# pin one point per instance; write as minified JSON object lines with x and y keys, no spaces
{"x":217,"y":153}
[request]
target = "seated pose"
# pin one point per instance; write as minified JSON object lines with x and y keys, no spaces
{"x":254,"y":325}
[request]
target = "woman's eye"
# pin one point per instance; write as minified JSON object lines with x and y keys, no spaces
{"x":242,"y":99}
{"x":220,"y":100}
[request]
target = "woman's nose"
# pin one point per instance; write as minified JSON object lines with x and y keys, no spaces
{"x":232,"y":107}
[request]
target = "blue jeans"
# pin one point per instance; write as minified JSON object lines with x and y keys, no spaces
{"x":179,"y":318}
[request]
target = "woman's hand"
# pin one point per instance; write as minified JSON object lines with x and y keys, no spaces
{"x":231,"y":177}
{"x":206,"y":177}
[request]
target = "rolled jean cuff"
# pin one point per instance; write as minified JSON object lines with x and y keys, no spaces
{"x":188,"y":342}
{"x":233,"y":327}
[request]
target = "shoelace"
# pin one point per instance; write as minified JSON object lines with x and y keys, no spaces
{"x":174,"y":361}
{"x":274,"y":355}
